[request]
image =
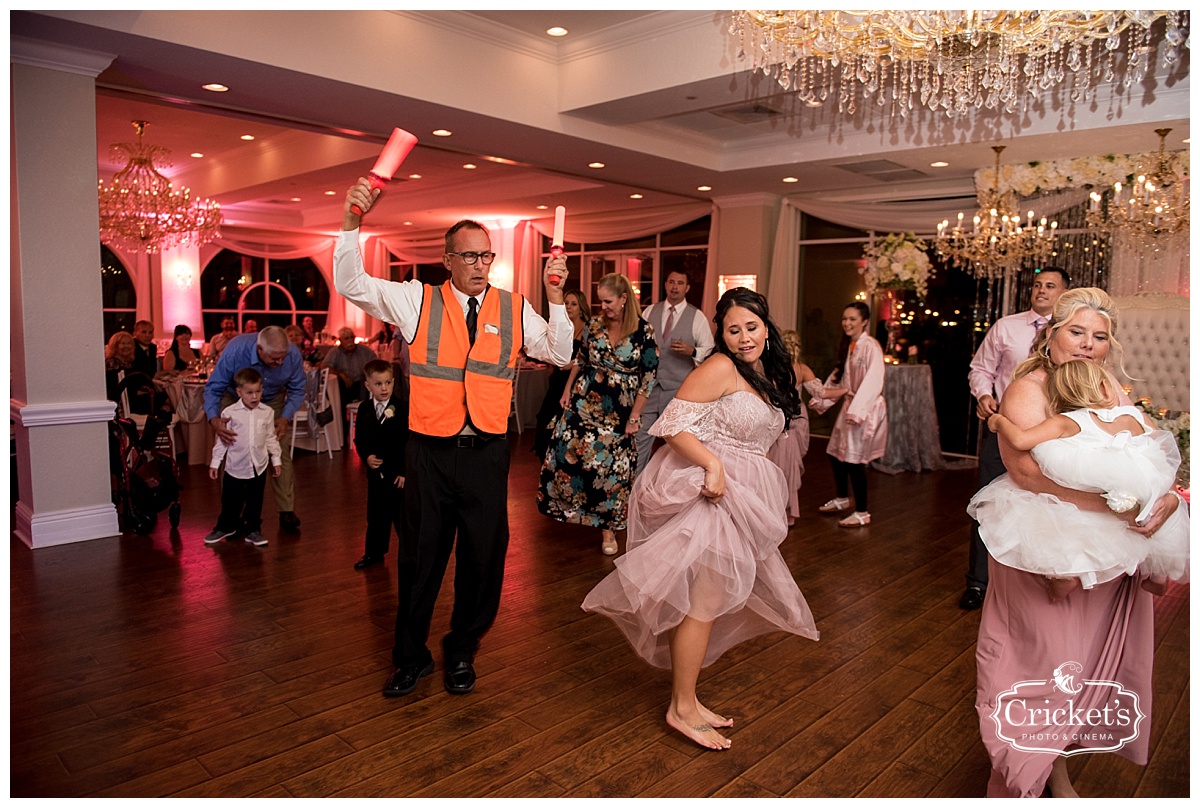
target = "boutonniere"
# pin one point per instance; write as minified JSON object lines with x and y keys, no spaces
{"x":388,"y":412}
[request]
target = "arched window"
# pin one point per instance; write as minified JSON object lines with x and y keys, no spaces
{"x":118,"y":294}
{"x":268,"y":291}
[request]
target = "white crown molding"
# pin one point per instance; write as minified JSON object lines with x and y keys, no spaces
{"x":60,"y":413}
{"x":646,"y":29}
{"x":36,"y":530}
{"x":746,"y":200}
{"x":63,"y":58}
{"x":462,"y":23}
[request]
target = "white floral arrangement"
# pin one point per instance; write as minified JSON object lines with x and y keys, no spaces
{"x":897,"y":261}
{"x":1181,"y":427}
{"x":1048,"y":176}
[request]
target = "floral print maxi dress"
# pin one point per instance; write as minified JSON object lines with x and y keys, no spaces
{"x":588,"y":469}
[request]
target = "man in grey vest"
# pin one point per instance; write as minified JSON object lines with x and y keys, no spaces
{"x":684,"y":339}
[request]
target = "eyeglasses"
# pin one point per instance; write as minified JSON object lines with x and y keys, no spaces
{"x":469,"y":258}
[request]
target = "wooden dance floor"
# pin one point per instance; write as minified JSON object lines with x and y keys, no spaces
{"x":155,"y":666}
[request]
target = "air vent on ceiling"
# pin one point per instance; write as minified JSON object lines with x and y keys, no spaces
{"x":883,"y":170}
{"x":752,"y":113}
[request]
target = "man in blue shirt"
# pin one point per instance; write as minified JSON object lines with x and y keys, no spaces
{"x":270,"y":353}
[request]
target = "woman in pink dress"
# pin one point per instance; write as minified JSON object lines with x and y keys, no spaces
{"x":860,"y":433}
{"x":792,"y":444}
{"x":1046,"y":641}
{"x":703,"y":570}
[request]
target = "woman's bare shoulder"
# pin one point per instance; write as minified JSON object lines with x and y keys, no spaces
{"x":714,"y":378}
{"x":1025,"y":401}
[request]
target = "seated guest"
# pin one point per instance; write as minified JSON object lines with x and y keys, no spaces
{"x":295,"y":336}
{"x":228,"y":332}
{"x":310,"y":330}
{"x":118,"y":357}
{"x":180,"y":354}
{"x":383,"y":339}
{"x":347,"y":361}
{"x":250,"y":327}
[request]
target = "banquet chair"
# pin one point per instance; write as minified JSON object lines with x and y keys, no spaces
{"x":314,"y":403}
{"x":351,"y":417}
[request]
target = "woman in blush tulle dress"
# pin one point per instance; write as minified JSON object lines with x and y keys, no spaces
{"x":703,"y":570}
{"x":792,"y":444}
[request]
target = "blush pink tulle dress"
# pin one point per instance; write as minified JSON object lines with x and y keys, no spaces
{"x":717,"y":562}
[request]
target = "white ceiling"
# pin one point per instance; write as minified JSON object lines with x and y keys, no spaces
{"x":648,"y":93}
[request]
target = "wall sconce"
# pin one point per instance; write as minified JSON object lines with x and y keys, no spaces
{"x":184,"y":277}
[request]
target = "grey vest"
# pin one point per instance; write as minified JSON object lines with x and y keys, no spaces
{"x":672,"y":368}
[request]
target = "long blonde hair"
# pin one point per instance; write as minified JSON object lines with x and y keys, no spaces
{"x":1070,"y":304}
{"x":1079,"y":385}
{"x":620,"y":285}
{"x":791,"y":341}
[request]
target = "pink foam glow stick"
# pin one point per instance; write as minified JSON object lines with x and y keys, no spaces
{"x":556,"y":245}
{"x":393,"y":154}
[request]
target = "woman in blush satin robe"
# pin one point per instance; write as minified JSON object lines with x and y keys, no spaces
{"x":860,"y":433}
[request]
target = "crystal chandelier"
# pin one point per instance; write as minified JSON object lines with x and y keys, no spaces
{"x":1155,"y":205}
{"x":997,"y":241}
{"x":142,"y":212}
{"x":954,"y":61}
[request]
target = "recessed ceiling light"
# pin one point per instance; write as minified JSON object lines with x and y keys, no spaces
{"x":408,"y":224}
{"x":543,"y":207}
{"x":470,"y":165}
{"x":595,"y":165}
{"x":197,"y":154}
{"x":215,"y":88}
{"x":295,"y":199}
{"x":635,"y":196}
{"x":331,"y":193}
{"x":247,"y":137}
{"x":414,"y":176}
{"x":442,"y":132}
{"x":814,"y":102}
{"x":790,"y":179}
{"x":556,"y":31}
{"x":704,"y":188}
{"x":939,"y":164}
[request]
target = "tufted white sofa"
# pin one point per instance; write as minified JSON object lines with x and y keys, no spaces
{"x":1153,"y":328}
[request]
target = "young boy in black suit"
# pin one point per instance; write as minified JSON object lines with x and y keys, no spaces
{"x":380,"y":435}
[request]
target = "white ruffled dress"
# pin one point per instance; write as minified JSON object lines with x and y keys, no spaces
{"x":1040,"y":533}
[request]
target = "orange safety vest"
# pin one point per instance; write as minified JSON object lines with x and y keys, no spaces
{"x":449,"y":377}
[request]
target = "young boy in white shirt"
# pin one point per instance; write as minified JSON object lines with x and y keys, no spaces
{"x":246,"y":460}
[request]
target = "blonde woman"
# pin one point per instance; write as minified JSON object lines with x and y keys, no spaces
{"x":589,"y":466}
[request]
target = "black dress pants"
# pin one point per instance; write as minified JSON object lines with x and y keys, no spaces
{"x":385,"y":510}
{"x":991,"y":466}
{"x":456,"y":498}
{"x":241,"y":502}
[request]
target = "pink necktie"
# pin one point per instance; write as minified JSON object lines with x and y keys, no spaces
{"x":670,"y":323}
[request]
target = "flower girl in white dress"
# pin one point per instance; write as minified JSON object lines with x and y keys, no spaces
{"x":1091,"y":445}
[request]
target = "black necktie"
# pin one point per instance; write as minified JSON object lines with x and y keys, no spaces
{"x":472,"y":317}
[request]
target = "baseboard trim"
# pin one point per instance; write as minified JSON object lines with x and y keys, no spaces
{"x":68,"y":526}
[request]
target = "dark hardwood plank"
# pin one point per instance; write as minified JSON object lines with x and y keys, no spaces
{"x":152,"y":665}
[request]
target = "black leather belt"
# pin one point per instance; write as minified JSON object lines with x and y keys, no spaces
{"x":461,"y":441}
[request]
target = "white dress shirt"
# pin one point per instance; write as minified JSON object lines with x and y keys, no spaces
{"x":1005,"y":346}
{"x":400,"y":304}
{"x":256,"y":441}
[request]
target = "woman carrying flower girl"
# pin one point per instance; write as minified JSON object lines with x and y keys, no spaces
{"x":1093,"y":444}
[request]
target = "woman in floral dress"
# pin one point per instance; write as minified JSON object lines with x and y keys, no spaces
{"x":588,"y":470}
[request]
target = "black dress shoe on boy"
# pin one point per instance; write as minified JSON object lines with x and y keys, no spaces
{"x":404,"y":679}
{"x":289,"y":521}
{"x":460,"y":678}
{"x":971,"y":599}
{"x":367,"y":561}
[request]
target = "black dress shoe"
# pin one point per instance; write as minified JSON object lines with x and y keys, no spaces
{"x":404,"y":679}
{"x":288,"y":520}
{"x":971,"y":599}
{"x":367,"y":561}
{"x":460,"y":678}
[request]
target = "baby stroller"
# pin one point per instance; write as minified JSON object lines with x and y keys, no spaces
{"x":144,"y":478}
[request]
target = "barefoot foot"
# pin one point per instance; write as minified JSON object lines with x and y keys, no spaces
{"x":712,"y":718}
{"x":698,"y":730}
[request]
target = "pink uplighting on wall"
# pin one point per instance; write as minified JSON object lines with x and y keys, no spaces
{"x":181,"y":291}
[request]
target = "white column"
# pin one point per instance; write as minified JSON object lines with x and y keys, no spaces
{"x":58,"y":398}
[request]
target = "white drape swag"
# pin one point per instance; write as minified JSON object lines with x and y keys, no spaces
{"x":279,"y":245}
